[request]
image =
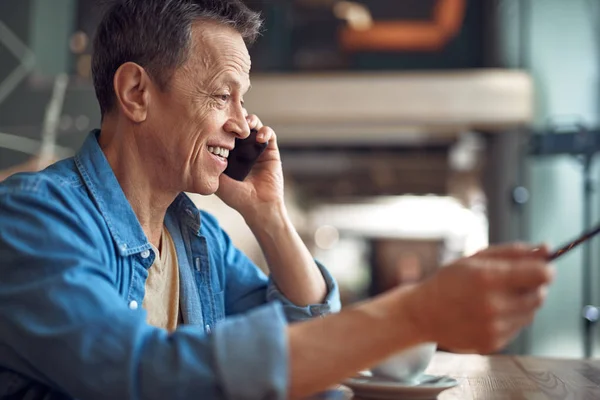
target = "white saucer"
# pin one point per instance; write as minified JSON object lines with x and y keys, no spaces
{"x":427,"y":387}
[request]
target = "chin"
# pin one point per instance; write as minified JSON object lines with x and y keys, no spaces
{"x":205,"y":188}
{"x":206,"y":192}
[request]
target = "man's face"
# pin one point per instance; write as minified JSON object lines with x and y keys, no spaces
{"x":201,"y":112}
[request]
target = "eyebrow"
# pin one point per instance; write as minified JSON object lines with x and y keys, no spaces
{"x":236,"y":83}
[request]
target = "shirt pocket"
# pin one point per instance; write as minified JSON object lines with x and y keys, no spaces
{"x":217,"y":288}
{"x":211,"y":286}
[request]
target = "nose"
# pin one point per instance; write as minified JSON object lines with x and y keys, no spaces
{"x":237,"y":123}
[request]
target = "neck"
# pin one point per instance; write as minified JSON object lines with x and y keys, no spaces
{"x":139,"y":177}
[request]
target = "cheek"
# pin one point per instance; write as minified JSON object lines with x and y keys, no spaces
{"x":196,"y":134}
{"x":192,"y":122}
{"x":199,"y":108}
{"x":197,"y":116}
{"x":207,"y":120}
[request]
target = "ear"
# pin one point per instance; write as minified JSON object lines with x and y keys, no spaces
{"x":132,"y":88}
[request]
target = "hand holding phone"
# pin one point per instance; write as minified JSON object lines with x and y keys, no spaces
{"x":243,"y":156}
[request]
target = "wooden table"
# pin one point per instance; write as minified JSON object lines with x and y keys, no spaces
{"x":514,"y":378}
{"x":518,"y":378}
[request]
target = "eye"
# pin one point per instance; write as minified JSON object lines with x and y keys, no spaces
{"x":223,"y":97}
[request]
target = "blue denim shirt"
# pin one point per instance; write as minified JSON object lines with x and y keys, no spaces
{"x":73,"y":266}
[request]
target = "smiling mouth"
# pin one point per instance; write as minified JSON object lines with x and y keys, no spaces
{"x":219,"y":151}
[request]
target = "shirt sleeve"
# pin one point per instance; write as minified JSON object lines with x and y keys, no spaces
{"x":294,"y":313}
{"x":63,"y":323}
{"x":248,"y":287}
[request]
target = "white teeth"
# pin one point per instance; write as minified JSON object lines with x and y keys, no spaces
{"x":219,"y":151}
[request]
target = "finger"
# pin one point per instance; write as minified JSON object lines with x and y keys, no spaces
{"x":265,"y":134}
{"x":512,"y":250}
{"x":527,"y":274}
{"x":508,"y":328}
{"x":516,"y":324}
{"x":271,"y":153}
{"x":254,"y":122}
{"x":511,"y":275}
{"x":524,"y":302}
{"x":508,"y":325}
{"x":542,"y":251}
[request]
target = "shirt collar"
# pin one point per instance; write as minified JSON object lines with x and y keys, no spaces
{"x":116,"y":210}
{"x":185,"y":210}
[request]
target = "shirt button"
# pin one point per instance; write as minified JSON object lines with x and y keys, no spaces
{"x":145,"y":254}
{"x":133,"y":305}
{"x":207,"y":328}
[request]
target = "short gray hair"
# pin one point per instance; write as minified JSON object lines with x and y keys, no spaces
{"x":156,"y":34}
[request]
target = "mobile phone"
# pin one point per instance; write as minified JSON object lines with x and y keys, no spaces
{"x":243,"y":156}
{"x":571,"y":245}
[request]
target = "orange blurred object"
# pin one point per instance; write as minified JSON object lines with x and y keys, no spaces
{"x":408,"y":35}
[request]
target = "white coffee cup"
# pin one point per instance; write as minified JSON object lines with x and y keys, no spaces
{"x":408,"y":365}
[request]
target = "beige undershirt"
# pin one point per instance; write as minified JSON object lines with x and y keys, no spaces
{"x":161,"y":300}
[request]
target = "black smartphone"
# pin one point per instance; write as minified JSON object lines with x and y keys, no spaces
{"x":571,"y":245}
{"x":243,"y":156}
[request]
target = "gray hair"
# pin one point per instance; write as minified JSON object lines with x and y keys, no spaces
{"x":156,"y":34}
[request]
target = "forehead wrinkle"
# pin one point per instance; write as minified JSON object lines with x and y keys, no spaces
{"x":231,"y":57}
{"x":215,"y":53}
{"x":229,"y":73}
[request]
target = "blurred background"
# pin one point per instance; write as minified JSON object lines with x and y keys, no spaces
{"x":412,"y":132}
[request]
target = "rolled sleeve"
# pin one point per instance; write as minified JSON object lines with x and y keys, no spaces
{"x":295,"y":313}
{"x":251,"y":354}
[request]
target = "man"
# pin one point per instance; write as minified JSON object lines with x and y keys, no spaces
{"x":115,"y":286}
